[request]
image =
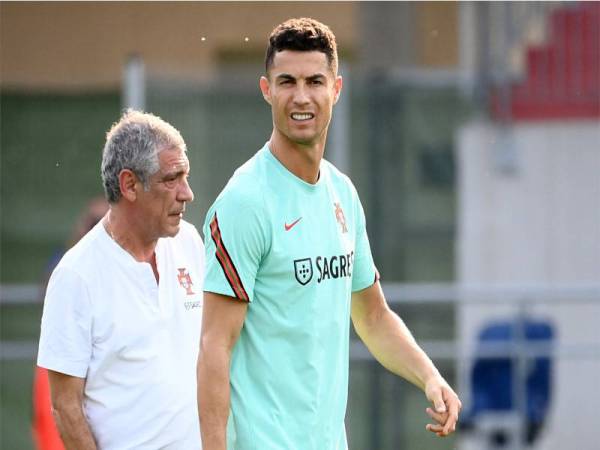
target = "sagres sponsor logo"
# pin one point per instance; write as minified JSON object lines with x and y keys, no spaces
{"x":185,"y":280}
{"x":338,"y":266}
{"x":328,"y":267}
{"x":303,"y":270}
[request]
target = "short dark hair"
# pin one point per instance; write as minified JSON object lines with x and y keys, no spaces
{"x":303,"y":34}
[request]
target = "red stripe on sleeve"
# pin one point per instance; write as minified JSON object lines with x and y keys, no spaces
{"x":231,"y":273}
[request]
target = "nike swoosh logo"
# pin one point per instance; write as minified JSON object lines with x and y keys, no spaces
{"x":289,"y":227}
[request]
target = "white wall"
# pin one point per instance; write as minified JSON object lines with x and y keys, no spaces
{"x":529,"y":216}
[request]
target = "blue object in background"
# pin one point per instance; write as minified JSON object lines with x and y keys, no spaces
{"x":492,"y":379}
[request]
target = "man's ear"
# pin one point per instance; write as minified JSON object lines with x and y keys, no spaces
{"x":127,"y":184}
{"x":265,"y":88}
{"x":337,"y":88}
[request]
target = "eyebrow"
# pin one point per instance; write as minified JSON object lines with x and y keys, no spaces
{"x":287,"y":76}
{"x":316,"y":76}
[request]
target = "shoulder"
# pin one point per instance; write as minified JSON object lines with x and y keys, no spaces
{"x":239,"y":203}
{"x":248,"y":180}
{"x":241,"y":212}
{"x":188,"y":230}
{"x":76,"y":271}
{"x":84,"y":256}
{"x":186,"y":248}
{"x":241,"y":192}
{"x":345,"y":189}
{"x":188,"y":238}
{"x":244,"y":190}
{"x":338,"y":178}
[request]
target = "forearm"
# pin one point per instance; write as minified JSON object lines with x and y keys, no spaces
{"x":73,"y":427}
{"x":213,"y":398}
{"x":392,"y":344}
{"x":222,"y":320}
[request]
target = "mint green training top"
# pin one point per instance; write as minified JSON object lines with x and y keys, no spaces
{"x":294,"y":251}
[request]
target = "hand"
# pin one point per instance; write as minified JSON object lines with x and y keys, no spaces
{"x":446,"y":405}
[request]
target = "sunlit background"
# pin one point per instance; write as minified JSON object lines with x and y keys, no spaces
{"x":472,"y":133}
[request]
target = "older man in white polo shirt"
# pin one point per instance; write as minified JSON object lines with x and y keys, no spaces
{"x":122,"y":314}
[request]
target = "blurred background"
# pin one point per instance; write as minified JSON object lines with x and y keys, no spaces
{"x":472,"y":133}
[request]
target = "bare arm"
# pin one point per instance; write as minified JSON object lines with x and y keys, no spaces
{"x":222,"y":320}
{"x":391,"y":343}
{"x":67,"y":407}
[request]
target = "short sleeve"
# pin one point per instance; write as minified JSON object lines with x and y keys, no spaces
{"x":66,"y":332}
{"x":235,"y":241}
{"x":364,"y":273}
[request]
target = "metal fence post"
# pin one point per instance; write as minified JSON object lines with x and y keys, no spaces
{"x":133,"y":94}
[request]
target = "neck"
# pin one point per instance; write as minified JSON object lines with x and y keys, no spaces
{"x":303,"y":161}
{"x":124,"y":232}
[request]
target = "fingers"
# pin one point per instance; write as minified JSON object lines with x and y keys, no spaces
{"x":441,"y":419}
{"x":454,"y":406}
{"x":446,"y":406}
{"x":446,"y":417}
{"x":450,"y":425}
{"x":437,"y":429}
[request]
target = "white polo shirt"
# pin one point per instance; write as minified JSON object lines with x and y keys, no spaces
{"x":134,"y":341}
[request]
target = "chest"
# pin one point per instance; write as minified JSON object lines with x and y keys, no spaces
{"x":133,"y":314}
{"x":312,"y":239}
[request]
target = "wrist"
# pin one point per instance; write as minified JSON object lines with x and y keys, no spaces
{"x":432,"y":376}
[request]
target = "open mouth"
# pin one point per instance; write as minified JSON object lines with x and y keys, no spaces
{"x":302,"y":116}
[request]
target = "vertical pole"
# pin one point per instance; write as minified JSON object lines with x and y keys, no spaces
{"x":468,"y":47}
{"x":375,"y":144}
{"x":519,"y":376}
{"x":504,"y":75}
{"x":338,"y":150}
{"x":484,"y":58}
{"x":134,"y":84}
{"x":377,"y":103}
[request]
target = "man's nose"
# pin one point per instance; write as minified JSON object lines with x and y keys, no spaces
{"x":185,"y":193}
{"x":301,"y":94}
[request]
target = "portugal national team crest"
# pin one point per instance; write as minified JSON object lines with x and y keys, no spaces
{"x":185,"y":281}
{"x":303,"y":270}
{"x":339,"y":216}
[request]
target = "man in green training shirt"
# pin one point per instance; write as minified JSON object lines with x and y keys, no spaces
{"x":288,"y":264}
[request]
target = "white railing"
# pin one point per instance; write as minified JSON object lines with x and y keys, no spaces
{"x":520,"y":296}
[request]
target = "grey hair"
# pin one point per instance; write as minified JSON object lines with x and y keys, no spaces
{"x":134,"y":143}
